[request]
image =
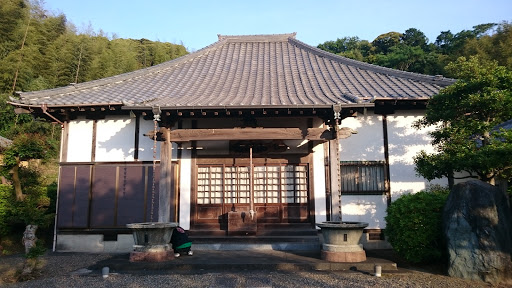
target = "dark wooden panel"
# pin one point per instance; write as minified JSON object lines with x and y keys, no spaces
{"x":267,"y":213}
{"x":238,"y":207}
{"x":83,"y":183}
{"x":209,"y":212}
{"x":241,"y":222}
{"x":130,"y":197}
{"x":296,"y":212}
{"x":66,"y":196}
{"x":103,"y":197}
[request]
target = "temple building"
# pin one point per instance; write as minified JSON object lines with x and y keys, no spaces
{"x":253,"y":136}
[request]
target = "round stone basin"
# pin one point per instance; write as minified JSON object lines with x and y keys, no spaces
{"x":342,"y":225}
{"x":152,"y":233}
{"x":342,"y":233}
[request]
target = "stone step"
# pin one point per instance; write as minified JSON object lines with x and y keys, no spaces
{"x":239,"y":260}
{"x":276,"y":246}
{"x":278,"y":243}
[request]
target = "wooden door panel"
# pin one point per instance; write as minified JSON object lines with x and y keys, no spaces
{"x":280,"y":192}
{"x":296,"y":213}
{"x":268,"y":214}
{"x":209,"y":213}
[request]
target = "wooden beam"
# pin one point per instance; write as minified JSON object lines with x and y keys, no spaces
{"x":185,"y":135}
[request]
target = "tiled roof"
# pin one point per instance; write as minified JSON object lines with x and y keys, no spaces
{"x":243,"y":71}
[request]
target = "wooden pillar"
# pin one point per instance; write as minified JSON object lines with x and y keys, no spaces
{"x":165,"y":188}
{"x":387,"y":183}
{"x":334,"y":167}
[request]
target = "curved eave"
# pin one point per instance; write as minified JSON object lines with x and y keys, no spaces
{"x":180,"y":107}
{"x":229,"y":107}
{"x":19,"y":104}
{"x":245,"y":107}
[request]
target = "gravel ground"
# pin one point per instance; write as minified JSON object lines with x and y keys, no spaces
{"x":56,"y":270}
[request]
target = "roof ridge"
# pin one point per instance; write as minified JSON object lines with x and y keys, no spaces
{"x":257,"y":37}
{"x":437,"y":79}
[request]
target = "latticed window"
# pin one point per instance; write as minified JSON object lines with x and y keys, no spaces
{"x":280,"y":184}
{"x":236,"y":185}
{"x":272,"y":184}
{"x":209,"y":188}
{"x":363,"y":177}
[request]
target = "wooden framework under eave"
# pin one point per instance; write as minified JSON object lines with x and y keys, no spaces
{"x":331,"y":116}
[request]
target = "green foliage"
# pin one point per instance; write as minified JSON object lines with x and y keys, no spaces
{"x":37,"y":208}
{"x":54,"y":55}
{"x":403,"y":57}
{"x":414,"y":225}
{"x":31,"y":140}
{"x":384,"y":42}
{"x":33,"y":209}
{"x":6,"y":195}
{"x":38,"y":250}
{"x":45,"y":52}
{"x":465,"y":115}
{"x":414,"y":38}
{"x":411,"y":51}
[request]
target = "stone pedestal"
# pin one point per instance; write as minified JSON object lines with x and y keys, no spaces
{"x":341,"y":241}
{"x":154,"y":253}
{"x":344,"y":257}
{"x":152,"y":241}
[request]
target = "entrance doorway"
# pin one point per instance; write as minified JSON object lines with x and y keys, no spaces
{"x":279,"y":193}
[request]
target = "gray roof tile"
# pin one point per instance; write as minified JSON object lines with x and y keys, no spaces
{"x":243,"y":71}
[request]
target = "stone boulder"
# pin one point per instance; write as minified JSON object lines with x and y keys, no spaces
{"x":477,"y":229}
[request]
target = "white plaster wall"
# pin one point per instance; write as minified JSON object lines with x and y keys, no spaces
{"x":368,"y":143}
{"x":367,"y":208}
{"x":319,"y":179}
{"x":146,"y":144}
{"x":115,"y":139}
{"x":185,"y":183}
{"x":405,"y":142}
{"x":79,"y":141}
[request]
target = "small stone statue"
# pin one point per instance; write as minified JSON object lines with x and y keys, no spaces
{"x":29,"y":237}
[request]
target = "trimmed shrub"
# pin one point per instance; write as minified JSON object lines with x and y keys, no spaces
{"x":37,"y":208}
{"x":33,"y":209}
{"x":5,"y":197}
{"x":414,"y":225}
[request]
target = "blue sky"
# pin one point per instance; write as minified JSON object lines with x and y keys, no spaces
{"x":196,"y":24}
